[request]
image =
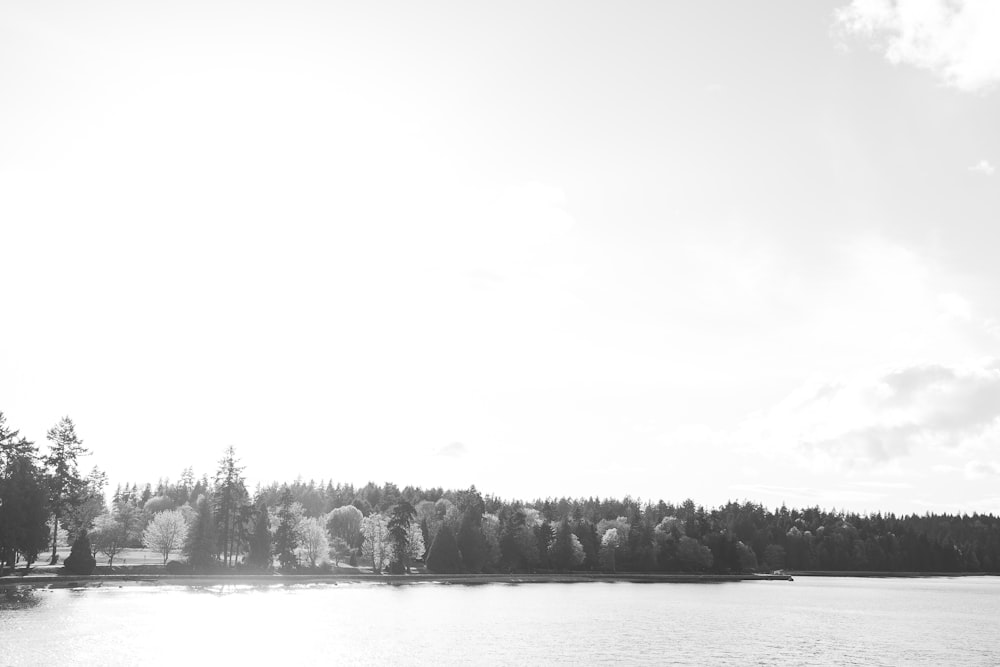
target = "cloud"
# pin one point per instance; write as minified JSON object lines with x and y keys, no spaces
{"x":958,"y":40}
{"x":885,"y":417}
{"x":982,"y":469}
{"x":983,"y":167}
{"x":881,"y":484}
{"x":454,"y":450}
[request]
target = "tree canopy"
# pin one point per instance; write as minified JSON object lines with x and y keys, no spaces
{"x":306,"y":522}
{"x":24,"y":499}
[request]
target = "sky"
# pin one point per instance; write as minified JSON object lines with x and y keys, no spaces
{"x":717,"y":250}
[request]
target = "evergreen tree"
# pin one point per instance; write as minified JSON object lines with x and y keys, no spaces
{"x":285,"y":538}
{"x":81,"y":558}
{"x":65,"y":482}
{"x":186,"y":485}
{"x":544,"y":536}
{"x":513,"y":545}
{"x":399,"y":536}
{"x":199,"y":548}
{"x":561,"y":550}
{"x":443,"y":557}
{"x":12,"y":446}
{"x":587,"y":534}
{"x":260,"y":538}
{"x":229,"y":498}
{"x":23,"y":499}
{"x":471,"y":541}
{"x":89,"y":504}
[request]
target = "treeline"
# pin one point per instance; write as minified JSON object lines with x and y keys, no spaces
{"x":213,"y":523}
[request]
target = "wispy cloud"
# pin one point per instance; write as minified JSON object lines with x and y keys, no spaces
{"x":882,"y":418}
{"x":983,"y":167}
{"x":884,"y":485}
{"x":958,"y":40}
{"x":454,"y":450}
{"x":982,"y":469}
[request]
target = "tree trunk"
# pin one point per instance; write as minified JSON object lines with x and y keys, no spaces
{"x":55,"y":537}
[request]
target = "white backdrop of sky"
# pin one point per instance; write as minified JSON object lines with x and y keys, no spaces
{"x":718,"y":250}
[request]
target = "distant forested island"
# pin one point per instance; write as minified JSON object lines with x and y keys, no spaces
{"x":216,"y":525}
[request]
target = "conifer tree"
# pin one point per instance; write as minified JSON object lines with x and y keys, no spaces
{"x":200,"y":545}
{"x":471,"y":541}
{"x":65,"y":481}
{"x":88,"y":503}
{"x":399,"y":536}
{"x":443,"y":558}
{"x":228,"y":499}
{"x":561,"y":550}
{"x":12,"y":446}
{"x":260,"y":538}
{"x":23,"y":499}
{"x":285,"y":539}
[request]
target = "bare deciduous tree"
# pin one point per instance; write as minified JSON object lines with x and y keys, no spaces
{"x":375,"y":529}
{"x":109,"y":536}
{"x":165,"y":533}
{"x":313,"y":544}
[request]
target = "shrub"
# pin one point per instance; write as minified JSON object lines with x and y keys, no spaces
{"x":177,"y":567}
{"x":81,"y":560}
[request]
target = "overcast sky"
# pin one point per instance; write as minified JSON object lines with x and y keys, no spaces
{"x":718,"y":250}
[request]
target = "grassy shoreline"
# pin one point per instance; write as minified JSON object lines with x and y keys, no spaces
{"x":74,"y":581}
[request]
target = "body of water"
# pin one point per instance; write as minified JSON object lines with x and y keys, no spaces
{"x":811,"y":621}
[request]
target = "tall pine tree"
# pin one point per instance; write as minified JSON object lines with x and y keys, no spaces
{"x":200,"y":545}
{"x":561,"y":550}
{"x":443,"y":558}
{"x":65,"y":482}
{"x":285,"y":538}
{"x":471,"y":541}
{"x":399,"y":536}
{"x":229,"y":499}
{"x":260,"y":538}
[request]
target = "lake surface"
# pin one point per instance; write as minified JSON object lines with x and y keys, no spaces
{"x":811,"y":621}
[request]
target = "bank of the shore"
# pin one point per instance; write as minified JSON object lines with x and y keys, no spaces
{"x":886,"y":575}
{"x":74,"y":581}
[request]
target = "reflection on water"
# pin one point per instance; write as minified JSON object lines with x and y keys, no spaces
{"x":18,"y":597}
{"x":809,"y":621}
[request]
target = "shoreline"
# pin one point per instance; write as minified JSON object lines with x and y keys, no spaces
{"x":874,"y":574}
{"x":201,"y":580}
{"x":97,"y":580}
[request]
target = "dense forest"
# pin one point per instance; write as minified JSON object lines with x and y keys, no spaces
{"x":215,"y":522}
